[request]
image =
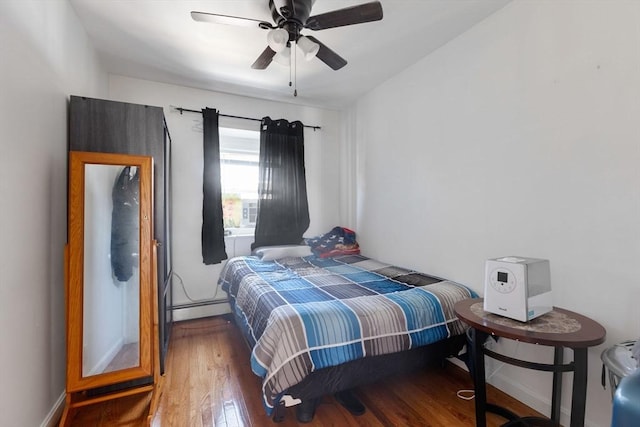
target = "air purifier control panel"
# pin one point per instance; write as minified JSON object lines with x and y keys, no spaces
{"x":502,"y":280}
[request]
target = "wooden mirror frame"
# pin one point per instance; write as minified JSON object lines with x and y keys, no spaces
{"x":75,"y":272}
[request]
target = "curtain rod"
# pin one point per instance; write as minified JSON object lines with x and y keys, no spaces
{"x":182,"y":110}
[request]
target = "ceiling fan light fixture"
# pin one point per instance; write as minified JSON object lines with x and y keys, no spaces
{"x":283,"y":57}
{"x":308,"y":47}
{"x":277,"y":39}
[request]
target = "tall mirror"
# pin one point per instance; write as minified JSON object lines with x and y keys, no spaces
{"x":109,"y":290}
{"x":111,"y":276}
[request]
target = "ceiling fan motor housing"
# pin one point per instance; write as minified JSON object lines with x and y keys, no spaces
{"x":290,"y":15}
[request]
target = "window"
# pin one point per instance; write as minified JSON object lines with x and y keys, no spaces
{"x":239,"y":160}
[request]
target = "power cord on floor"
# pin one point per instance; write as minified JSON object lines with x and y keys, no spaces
{"x":184,"y":289}
{"x":467,"y":394}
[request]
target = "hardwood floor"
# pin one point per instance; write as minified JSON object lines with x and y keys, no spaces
{"x":208,"y":382}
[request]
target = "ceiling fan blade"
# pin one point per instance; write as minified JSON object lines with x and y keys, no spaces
{"x":229,"y":20}
{"x":264,"y":59}
{"x":359,"y":14}
{"x":328,"y":56}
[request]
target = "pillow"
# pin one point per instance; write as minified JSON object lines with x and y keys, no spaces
{"x":269,"y":253}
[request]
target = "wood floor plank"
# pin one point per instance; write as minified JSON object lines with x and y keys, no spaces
{"x":209,"y":383}
{"x":424,"y":398}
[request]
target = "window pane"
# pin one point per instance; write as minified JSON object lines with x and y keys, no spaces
{"x":239,"y":156}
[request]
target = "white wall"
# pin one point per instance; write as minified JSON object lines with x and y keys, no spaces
{"x":519,"y":137}
{"x":45,"y":55}
{"x":321,"y":161}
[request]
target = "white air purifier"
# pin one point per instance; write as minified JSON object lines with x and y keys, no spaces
{"x":517,"y":287}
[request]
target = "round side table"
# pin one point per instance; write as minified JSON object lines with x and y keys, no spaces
{"x":559,"y":328}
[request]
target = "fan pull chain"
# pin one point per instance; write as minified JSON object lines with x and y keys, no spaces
{"x":289,"y":46}
{"x":295,"y":69}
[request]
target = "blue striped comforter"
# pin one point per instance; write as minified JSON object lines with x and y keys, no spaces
{"x":305,"y":314}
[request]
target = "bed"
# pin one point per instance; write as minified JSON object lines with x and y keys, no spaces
{"x":319,"y":325}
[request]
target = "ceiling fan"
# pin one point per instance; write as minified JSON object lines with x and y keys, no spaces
{"x":290,"y":17}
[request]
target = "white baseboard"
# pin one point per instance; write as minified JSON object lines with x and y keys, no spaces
{"x":198,"y":312}
{"x":53,"y":417}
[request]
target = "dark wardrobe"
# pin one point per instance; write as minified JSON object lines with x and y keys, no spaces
{"x":118,"y":127}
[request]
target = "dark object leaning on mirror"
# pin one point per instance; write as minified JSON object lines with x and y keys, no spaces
{"x":125,"y":223}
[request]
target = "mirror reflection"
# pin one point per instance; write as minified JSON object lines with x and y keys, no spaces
{"x":111,"y":329}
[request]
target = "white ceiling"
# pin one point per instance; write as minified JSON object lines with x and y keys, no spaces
{"x":157,"y":40}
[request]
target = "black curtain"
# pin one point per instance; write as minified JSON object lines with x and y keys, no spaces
{"x":283,"y":209}
{"x":213,"y":250}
